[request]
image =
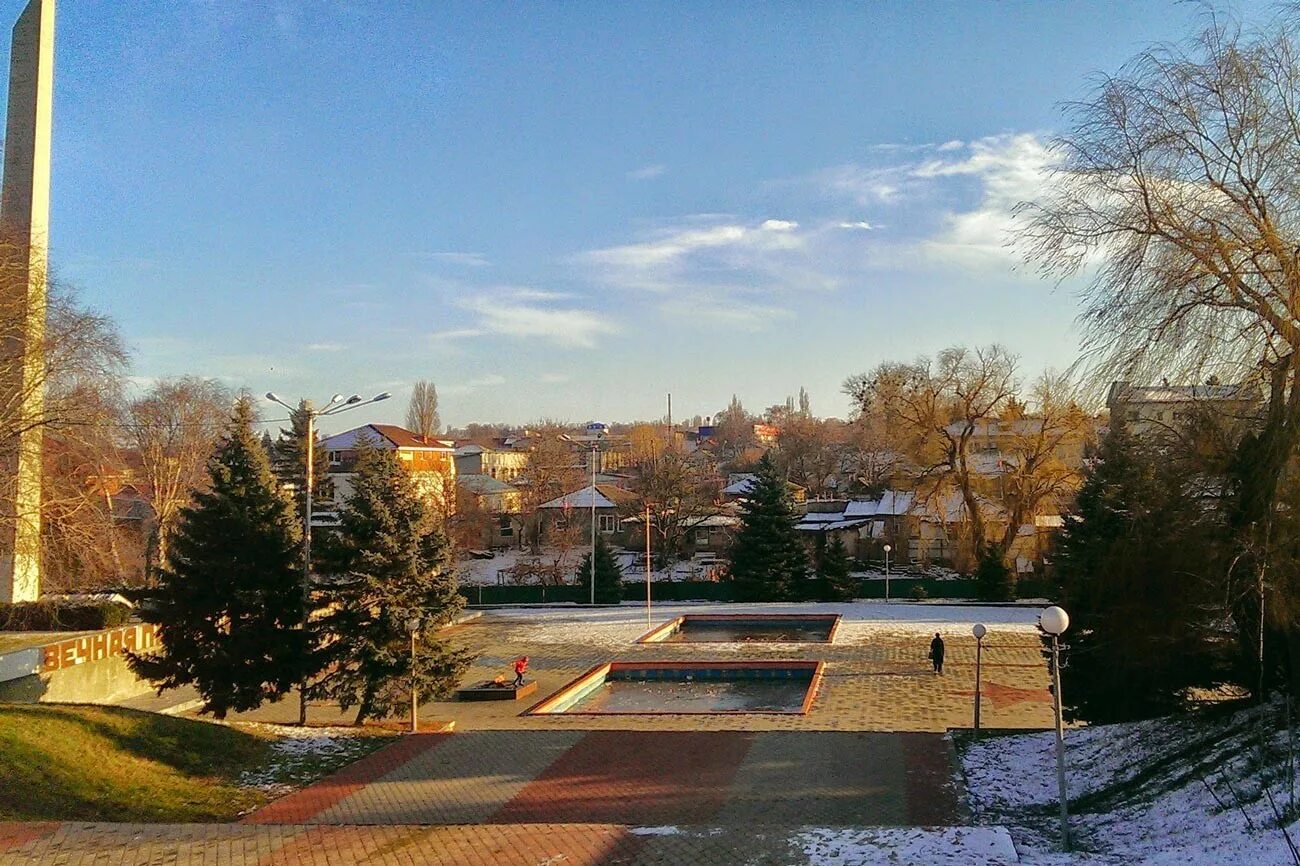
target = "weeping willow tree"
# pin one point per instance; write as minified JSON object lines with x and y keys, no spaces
{"x":1175,"y":196}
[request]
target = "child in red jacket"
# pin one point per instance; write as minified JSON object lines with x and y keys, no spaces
{"x":521,"y":668}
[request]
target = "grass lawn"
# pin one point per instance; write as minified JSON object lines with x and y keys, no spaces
{"x":89,"y":763}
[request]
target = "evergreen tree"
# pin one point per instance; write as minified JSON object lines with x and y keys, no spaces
{"x":768,"y":562}
{"x":1137,"y":562}
{"x":994,"y":580}
{"x":229,"y":603}
{"x":609,"y":577}
{"x":834,"y":571}
{"x":291,"y":461}
{"x":387,"y":563}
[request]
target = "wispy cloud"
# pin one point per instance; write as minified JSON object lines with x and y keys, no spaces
{"x":647,"y":172}
{"x":326,"y":347}
{"x":570,"y":328}
{"x":554,"y":378}
{"x":456,"y":334}
{"x":468,"y":386}
{"x":468,"y":260}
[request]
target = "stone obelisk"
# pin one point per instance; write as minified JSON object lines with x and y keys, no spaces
{"x":24,"y":229}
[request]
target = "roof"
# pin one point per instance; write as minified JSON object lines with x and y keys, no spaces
{"x":483,"y":485}
{"x":606,"y":496}
{"x":823,"y":525}
{"x":387,"y":436}
{"x":891,"y":503}
{"x":1166,"y":393}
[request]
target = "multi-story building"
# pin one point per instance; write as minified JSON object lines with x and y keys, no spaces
{"x":430,"y":462}
{"x":503,"y":464}
{"x":1145,"y":410}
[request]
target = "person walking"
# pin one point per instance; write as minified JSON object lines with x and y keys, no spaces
{"x":521,"y":668}
{"x":936,"y":653}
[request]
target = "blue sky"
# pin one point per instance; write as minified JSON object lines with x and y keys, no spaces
{"x":565,"y":210}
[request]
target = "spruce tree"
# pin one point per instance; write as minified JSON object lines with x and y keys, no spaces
{"x":387,"y":563}
{"x":291,"y":460}
{"x":609,"y":577}
{"x":834,"y":571}
{"x":1137,"y":563}
{"x":229,"y":604}
{"x":768,"y":562}
{"x":994,"y":580}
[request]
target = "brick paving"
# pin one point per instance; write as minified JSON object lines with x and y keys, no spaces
{"x":565,"y":790}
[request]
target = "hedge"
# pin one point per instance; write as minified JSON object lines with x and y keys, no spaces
{"x":62,"y":616}
{"x":722,"y":591}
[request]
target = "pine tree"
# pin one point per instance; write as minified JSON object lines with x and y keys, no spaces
{"x":1138,"y":569}
{"x":768,"y":562}
{"x":994,"y":580}
{"x":291,"y":460}
{"x":229,"y":604}
{"x":388,"y":563}
{"x":609,"y":577}
{"x":834,"y":571}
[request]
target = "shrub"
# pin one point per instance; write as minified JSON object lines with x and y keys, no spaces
{"x":918,"y":593}
{"x":62,"y":615}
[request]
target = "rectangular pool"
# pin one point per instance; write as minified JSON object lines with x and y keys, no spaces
{"x":688,"y":687}
{"x":746,"y":628}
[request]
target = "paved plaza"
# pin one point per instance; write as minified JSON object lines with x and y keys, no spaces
{"x":868,"y":760}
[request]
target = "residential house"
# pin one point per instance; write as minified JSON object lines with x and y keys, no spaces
{"x":825,"y":520}
{"x":572,"y":513}
{"x":741,"y":484}
{"x":1144,"y":410}
{"x":488,"y":512}
{"x":430,"y":461}
{"x":708,"y":536}
{"x":501,"y":463}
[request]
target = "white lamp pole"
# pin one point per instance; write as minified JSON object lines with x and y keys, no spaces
{"x":593,"y":522}
{"x":336,"y":405}
{"x":413,"y":626}
{"x":979,"y":631}
{"x":887,"y":550}
{"x":1054,"y":621}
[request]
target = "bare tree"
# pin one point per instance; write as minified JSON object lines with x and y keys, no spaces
{"x":936,"y":409}
{"x":553,"y":470}
{"x":422,"y":411}
{"x":173,"y":429}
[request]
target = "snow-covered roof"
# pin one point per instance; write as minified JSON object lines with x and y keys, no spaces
{"x":1166,"y":393}
{"x":606,"y":496}
{"x":825,"y":525}
{"x":891,"y":503}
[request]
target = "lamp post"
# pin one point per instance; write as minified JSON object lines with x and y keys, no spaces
{"x":887,"y":550}
{"x":979,"y":631}
{"x":593,"y":521}
{"x":336,"y":405}
{"x":647,"y":565}
{"x":413,"y":626}
{"x":1054,"y":621}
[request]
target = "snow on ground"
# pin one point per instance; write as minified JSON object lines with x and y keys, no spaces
{"x":860,"y":622}
{"x":1156,"y":793}
{"x":895,"y":846}
{"x":298,"y":754}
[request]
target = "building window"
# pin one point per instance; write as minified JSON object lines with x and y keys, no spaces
{"x":505,"y":528}
{"x":335,"y":458}
{"x":702,"y":537}
{"x":607,"y":522}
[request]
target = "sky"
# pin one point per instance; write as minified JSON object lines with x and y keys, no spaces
{"x":566,"y":210}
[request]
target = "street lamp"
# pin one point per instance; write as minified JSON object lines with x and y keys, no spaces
{"x":593,"y":521}
{"x":979,"y":631}
{"x":1054,"y":621}
{"x":647,"y":564}
{"x":887,"y":550}
{"x":336,"y":405}
{"x":413,"y":626}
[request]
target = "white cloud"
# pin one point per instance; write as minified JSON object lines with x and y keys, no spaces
{"x":779,"y":225}
{"x":457,"y":334}
{"x":860,"y":225}
{"x":468,"y":386}
{"x":554,"y":378}
{"x":647,"y":172}
{"x":731,"y":313}
{"x":508,"y":316}
{"x":469,"y":260}
{"x":326,"y":347}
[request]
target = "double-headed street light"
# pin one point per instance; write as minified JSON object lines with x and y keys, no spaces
{"x":336,"y":405}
